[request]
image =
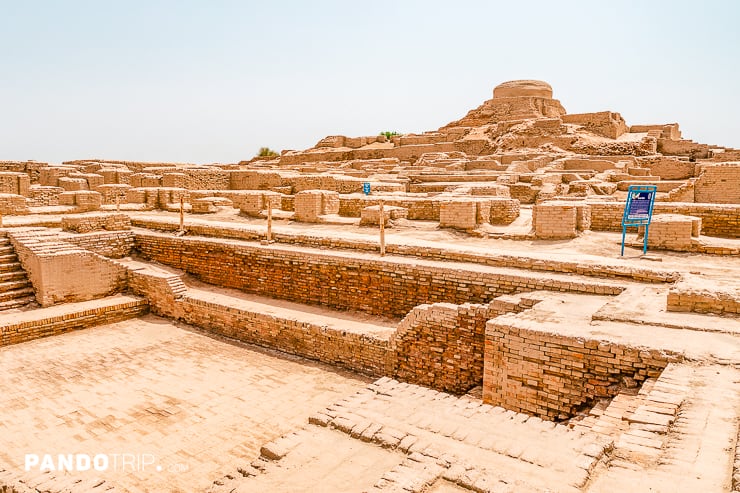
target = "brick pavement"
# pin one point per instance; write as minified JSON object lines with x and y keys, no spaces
{"x":145,"y":386}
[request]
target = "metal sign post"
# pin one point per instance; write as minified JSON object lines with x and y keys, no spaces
{"x":638,"y":210}
{"x":381,"y":215}
{"x":269,"y":221}
{"x":182,"y":213}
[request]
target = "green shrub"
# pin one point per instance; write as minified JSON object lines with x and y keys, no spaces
{"x":266,"y":152}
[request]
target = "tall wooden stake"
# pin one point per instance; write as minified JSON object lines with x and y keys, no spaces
{"x":269,"y":221}
{"x":382,"y":228}
{"x":182,"y":213}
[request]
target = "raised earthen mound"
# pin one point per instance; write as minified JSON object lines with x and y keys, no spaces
{"x":523,"y":89}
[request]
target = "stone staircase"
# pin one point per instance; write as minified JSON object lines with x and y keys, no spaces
{"x":15,"y":288}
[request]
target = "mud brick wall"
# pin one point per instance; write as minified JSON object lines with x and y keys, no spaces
{"x":682,"y":147}
{"x":382,"y":287}
{"x":554,"y":376}
{"x":86,"y":223}
{"x":111,"y":244}
{"x":252,"y":203}
{"x":206,"y":179}
{"x":420,"y":208}
{"x":504,"y":211}
{"x":82,"y":200}
{"x":441,"y":345}
{"x":115,"y":176}
{"x":357,"y":352}
{"x":145,"y":180}
{"x":311,"y":204}
{"x":464,"y":214}
{"x":11,"y":204}
{"x":15,"y":183}
{"x":54,"y":266}
{"x":716,"y":219}
{"x":31,"y":168}
{"x":255,"y":180}
{"x":49,"y":176}
{"x":22,"y":331}
{"x":112,"y":191}
{"x":72,"y":184}
{"x":695,"y":295}
{"x":524,"y":192}
{"x":604,"y":123}
{"x":718,"y":184}
{"x":668,"y":168}
{"x":673,"y":231}
{"x":554,"y":220}
{"x":174,"y":180}
{"x":40,"y":196}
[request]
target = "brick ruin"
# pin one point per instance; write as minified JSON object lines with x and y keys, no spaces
{"x":546,"y":336}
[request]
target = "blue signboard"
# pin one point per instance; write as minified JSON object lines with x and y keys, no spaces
{"x":639,"y":210}
{"x":366,"y":188}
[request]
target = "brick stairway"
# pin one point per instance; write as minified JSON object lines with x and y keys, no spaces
{"x":15,"y":289}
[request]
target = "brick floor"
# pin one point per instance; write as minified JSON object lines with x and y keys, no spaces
{"x":193,"y":404}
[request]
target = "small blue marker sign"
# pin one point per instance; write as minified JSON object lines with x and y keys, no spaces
{"x":366,"y":188}
{"x":638,"y":210}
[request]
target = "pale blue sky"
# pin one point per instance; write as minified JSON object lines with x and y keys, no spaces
{"x":212,"y":81}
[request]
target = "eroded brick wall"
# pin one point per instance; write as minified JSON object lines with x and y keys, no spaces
{"x":390,"y":287}
{"x":716,"y":219}
{"x":34,"y":328}
{"x":441,"y":345}
{"x":554,"y":376}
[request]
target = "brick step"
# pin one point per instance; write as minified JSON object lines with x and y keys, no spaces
{"x":14,"y":275}
{"x":11,"y":267}
{"x":16,"y":293}
{"x":4,"y":241}
{"x":8,"y":258}
{"x":16,"y":303}
{"x":14,"y":285}
{"x":6,"y":249}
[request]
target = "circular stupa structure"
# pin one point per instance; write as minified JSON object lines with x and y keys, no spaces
{"x":523,"y":89}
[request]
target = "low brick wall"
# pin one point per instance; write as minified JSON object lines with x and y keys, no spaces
{"x":43,"y":323}
{"x":54,"y":267}
{"x":389,"y":287}
{"x":11,"y":204}
{"x":555,"y":376}
{"x":441,"y":345}
{"x":86,"y":223}
{"x":702,"y":296}
{"x":356,"y":352}
{"x":420,"y":208}
{"x":716,"y":219}
{"x":111,"y":244}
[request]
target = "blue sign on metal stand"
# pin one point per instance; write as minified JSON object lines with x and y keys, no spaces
{"x":639,"y":210}
{"x":366,"y":188}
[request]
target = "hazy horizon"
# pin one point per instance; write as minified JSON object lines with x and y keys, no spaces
{"x":168,"y":81}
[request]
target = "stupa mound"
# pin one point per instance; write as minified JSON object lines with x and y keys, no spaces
{"x":523,"y":89}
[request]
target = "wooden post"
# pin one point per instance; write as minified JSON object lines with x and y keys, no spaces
{"x":269,"y":220}
{"x":381,"y":218}
{"x":182,"y":213}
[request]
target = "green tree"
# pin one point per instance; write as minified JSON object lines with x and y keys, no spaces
{"x":388,"y":134}
{"x":266,"y":152}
